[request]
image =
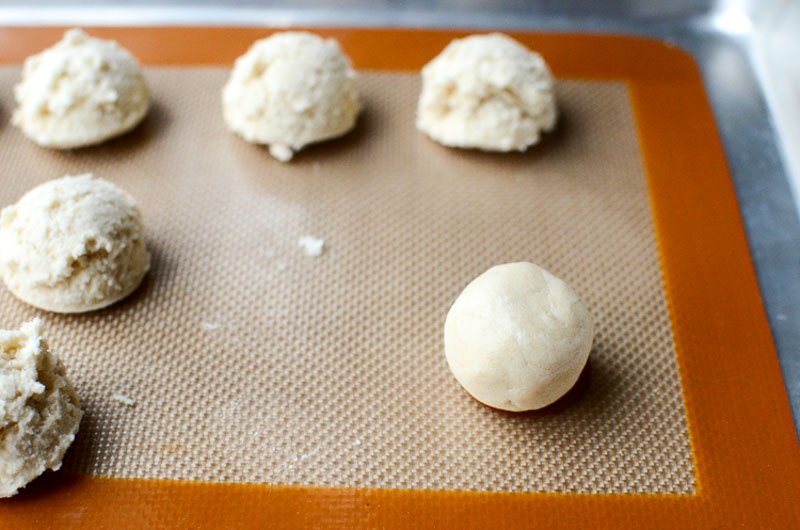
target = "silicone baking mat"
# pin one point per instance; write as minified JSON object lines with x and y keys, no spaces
{"x":271,"y":366}
{"x":322,"y":379}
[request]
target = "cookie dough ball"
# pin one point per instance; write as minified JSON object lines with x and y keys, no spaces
{"x":80,"y":92}
{"x":486,"y":92}
{"x":39,"y":410}
{"x":290,"y":90}
{"x":517,"y":337}
{"x":72,"y":245}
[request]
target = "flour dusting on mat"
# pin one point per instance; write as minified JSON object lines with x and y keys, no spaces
{"x":125,"y":400}
{"x":312,"y":246}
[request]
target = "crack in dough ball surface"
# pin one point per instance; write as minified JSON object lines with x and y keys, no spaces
{"x":290,"y":90}
{"x":486,"y":92}
{"x":73,"y":245}
{"x":39,"y":410}
{"x":517,"y":337}
{"x":80,"y":92}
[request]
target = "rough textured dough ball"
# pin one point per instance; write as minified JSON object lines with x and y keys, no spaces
{"x":517,"y":337}
{"x":39,"y":410}
{"x":72,"y":245}
{"x":80,"y":92}
{"x":290,"y":90}
{"x":486,"y":92}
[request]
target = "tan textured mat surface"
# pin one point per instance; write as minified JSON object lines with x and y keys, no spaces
{"x":251,"y":362}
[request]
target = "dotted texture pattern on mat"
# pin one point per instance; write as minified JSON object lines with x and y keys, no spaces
{"x":251,"y":362}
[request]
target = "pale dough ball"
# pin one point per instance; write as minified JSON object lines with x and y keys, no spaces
{"x":80,"y":92}
{"x":517,"y":337}
{"x":39,"y":410}
{"x":72,"y":245}
{"x":486,"y":92}
{"x":290,"y":90}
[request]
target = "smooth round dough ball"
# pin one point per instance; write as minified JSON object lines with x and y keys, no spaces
{"x":39,"y":410}
{"x":73,"y":245}
{"x":486,"y":92}
{"x":290,"y":90}
{"x":80,"y":92}
{"x":517,"y":337}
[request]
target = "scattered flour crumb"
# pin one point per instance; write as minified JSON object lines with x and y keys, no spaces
{"x":125,"y":400}
{"x":281,"y":265}
{"x":357,"y":442}
{"x":210,"y":326}
{"x":312,"y":246}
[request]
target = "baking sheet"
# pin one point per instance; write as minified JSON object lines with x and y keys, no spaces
{"x":744,"y":445}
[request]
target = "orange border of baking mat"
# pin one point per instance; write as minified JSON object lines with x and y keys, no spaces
{"x":746,"y":450}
